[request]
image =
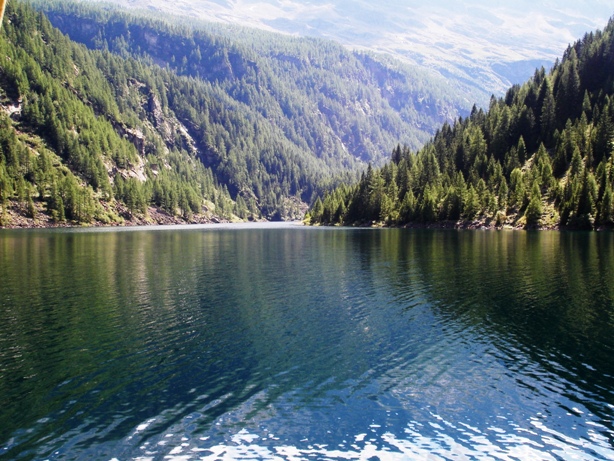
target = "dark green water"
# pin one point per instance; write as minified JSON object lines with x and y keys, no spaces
{"x":289,"y":343}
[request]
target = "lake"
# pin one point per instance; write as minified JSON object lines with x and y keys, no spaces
{"x":289,"y":343}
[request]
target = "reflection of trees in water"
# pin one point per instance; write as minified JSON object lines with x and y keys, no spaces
{"x":165,"y":322}
{"x":111,"y":321}
{"x":549,"y":296}
{"x":174,"y":323}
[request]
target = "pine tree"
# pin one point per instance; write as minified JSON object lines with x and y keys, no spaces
{"x":534,"y":209}
{"x":585,"y":210}
{"x":606,"y":207}
{"x":548,"y":115}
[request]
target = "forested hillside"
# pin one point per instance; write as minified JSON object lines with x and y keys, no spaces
{"x":480,"y":47}
{"x":86,"y":137}
{"x":539,"y":157}
{"x":343,"y":107}
{"x":159,"y":123}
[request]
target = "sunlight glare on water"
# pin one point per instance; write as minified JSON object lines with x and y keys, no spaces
{"x":289,"y":343}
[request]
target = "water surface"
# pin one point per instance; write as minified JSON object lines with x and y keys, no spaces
{"x":292,"y":343}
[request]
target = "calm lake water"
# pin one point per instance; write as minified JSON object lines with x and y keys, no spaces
{"x":291,"y":343}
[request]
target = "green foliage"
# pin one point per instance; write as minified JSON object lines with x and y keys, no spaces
{"x":273,"y":117}
{"x":94,"y":118}
{"x":548,"y":143}
{"x":534,"y":209}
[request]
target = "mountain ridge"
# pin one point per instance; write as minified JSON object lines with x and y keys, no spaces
{"x":191,"y":124}
{"x":541,"y":156}
{"x":477,"y":46}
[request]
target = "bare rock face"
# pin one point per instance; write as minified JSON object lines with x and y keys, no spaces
{"x":160,"y":122}
{"x":171,"y":129}
{"x":136,"y":137}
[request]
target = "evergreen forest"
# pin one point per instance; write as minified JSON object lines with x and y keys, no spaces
{"x":135,"y":119}
{"x":111,"y":117}
{"x":539,"y":157}
{"x":77,"y":147}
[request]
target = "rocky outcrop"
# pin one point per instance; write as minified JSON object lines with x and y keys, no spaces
{"x":160,"y":121}
{"x":135,"y":136}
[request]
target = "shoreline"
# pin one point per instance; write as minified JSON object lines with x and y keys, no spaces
{"x":156,"y":218}
{"x":465,"y":225}
{"x":16,"y":217}
{"x":218,"y":223}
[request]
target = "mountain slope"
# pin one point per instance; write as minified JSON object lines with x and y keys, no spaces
{"x":541,"y":156}
{"x":274,"y":119}
{"x":332,"y":102}
{"x":88,"y":137}
{"x":477,"y":45}
{"x":167,"y":119}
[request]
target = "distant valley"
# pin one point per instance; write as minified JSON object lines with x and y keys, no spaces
{"x":161,"y":122}
{"x":486,"y":49}
{"x":120,"y":116}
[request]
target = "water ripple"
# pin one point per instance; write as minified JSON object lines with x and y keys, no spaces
{"x":306,"y":343}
